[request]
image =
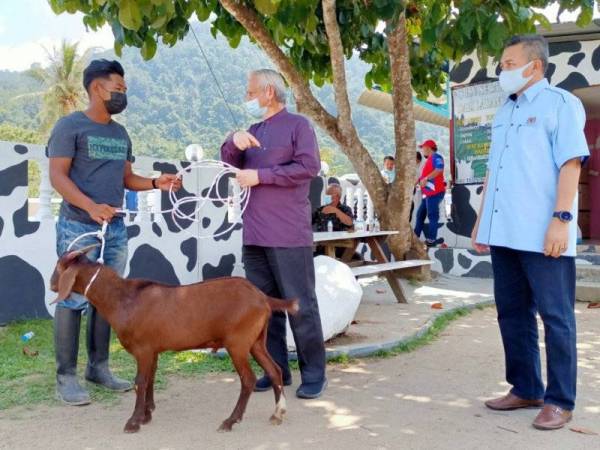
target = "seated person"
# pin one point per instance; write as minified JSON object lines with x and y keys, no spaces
{"x":339,"y":214}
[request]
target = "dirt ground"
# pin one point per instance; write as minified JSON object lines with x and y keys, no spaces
{"x":429,"y":399}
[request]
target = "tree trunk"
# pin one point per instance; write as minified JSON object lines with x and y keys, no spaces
{"x":392,"y":202}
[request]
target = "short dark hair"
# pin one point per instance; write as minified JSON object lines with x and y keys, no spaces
{"x":390,"y":158}
{"x":419,"y":157}
{"x":101,"y":68}
{"x":535,"y":45}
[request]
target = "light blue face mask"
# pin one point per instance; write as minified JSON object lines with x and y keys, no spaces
{"x":327,"y":199}
{"x":512,"y":81}
{"x":254,"y":108}
{"x":391,"y":174}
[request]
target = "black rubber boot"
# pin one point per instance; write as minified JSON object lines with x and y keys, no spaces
{"x":67,"y":323}
{"x":98,"y":342}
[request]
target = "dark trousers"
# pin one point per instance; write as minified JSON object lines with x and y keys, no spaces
{"x":526,"y":283}
{"x":429,"y":208}
{"x":290,"y":273}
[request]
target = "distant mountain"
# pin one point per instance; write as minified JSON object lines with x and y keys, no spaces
{"x":175,"y":101}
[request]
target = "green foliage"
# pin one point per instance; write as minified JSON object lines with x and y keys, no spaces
{"x":439,"y":30}
{"x":173,"y":101}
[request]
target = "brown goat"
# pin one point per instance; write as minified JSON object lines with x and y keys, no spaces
{"x":150,"y":318}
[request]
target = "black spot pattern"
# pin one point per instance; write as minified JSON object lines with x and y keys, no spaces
{"x":575,"y":59}
{"x":464,"y":262}
{"x":150,"y":264}
{"x":133,"y":231}
{"x":156,"y":229}
{"x":481,"y":76}
{"x":23,"y":290}
{"x":463,"y":214}
{"x":482,"y":269}
{"x":223,"y":227}
{"x":550,"y":71}
{"x":316,"y":189}
{"x":20,"y":149}
{"x":13,"y":177}
{"x":1,"y":225}
{"x":223,"y":269}
{"x":574,"y":80}
{"x":21,"y":222}
{"x":189,"y":248}
{"x":446,"y":258}
{"x":461,"y":71}
{"x":596,"y":58}
{"x":205,"y":222}
{"x":556,"y":48}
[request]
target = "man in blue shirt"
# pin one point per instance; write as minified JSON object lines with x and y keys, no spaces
{"x":528,"y":219}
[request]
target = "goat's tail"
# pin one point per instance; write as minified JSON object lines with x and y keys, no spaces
{"x":290,"y":306}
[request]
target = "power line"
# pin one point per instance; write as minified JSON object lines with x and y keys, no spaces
{"x":233,"y":117}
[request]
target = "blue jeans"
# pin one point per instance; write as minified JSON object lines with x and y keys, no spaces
{"x":429,"y":208}
{"x":115,"y":251}
{"x":526,"y":283}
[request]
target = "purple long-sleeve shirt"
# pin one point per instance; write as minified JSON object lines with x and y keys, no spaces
{"x":279,"y":211}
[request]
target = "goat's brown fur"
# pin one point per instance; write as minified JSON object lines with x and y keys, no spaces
{"x":150,"y":318}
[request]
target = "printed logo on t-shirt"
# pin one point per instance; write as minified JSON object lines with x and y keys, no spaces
{"x":100,"y":147}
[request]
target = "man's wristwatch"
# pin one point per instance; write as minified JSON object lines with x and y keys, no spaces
{"x":154,"y":183}
{"x":563,"y":216}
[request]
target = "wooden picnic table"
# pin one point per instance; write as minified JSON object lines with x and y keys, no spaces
{"x":349,"y":240}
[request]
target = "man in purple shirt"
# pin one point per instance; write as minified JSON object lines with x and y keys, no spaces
{"x":279,"y":156}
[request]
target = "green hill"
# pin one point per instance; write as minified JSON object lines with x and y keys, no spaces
{"x":174,"y":100}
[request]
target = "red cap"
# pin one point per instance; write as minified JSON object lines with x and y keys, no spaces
{"x":430,"y":143}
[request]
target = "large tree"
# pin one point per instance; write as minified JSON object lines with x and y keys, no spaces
{"x":407,"y":44}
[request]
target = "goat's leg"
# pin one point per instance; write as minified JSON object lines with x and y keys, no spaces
{"x":150,"y":406}
{"x":262,"y":357}
{"x":144,"y":366}
{"x":247,"y":379}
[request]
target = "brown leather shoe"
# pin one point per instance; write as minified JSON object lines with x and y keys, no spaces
{"x":510,"y":401}
{"x":552,"y":417}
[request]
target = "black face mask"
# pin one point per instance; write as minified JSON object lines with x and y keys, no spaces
{"x":117,"y":102}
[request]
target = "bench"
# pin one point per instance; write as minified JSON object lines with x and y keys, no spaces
{"x":388,"y":268}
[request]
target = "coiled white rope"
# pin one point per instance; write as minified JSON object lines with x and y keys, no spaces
{"x":236,"y":201}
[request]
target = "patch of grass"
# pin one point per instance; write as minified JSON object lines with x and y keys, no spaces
{"x":440,"y":323}
{"x":30,"y":380}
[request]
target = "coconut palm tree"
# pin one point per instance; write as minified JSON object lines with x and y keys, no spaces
{"x":62,"y":83}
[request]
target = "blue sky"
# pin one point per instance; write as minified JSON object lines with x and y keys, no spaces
{"x":29,"y":26}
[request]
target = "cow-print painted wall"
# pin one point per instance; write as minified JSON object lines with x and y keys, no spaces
{"x":157,"y":249}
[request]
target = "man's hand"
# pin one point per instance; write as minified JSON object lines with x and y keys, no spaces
{"x":423,"y":182}
{"x":330,"y":210}
{"x":557,"y":238}
{"x":244,"y":140}
{"x":165,"y":181}
{"x":479,"y":248}
{"x":101,"y":213}
{"x":247,"y":178}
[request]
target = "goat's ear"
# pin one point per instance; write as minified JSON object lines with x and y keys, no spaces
{"x":82,"y":251}
{"x":66,"y":281}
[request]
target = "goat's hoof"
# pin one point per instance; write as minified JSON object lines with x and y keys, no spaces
{"x":147,"y":417}
{"x":151,"y":406}
{"x":275,"y":420}
{"x":132,"y":427}
{"x":225,"y":426}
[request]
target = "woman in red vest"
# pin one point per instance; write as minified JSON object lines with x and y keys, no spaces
{"x":433,"y":188}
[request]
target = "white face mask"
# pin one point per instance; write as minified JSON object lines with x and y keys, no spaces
{"x":512,"y":81}
{"x":254,"y":108}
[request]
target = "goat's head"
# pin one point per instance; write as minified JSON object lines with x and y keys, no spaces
{"x":66,"y":270}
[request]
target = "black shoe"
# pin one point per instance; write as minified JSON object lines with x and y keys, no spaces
{"x":264,"y":383}
{"x":67,"y":323}
{"x":435,"y":243}
{"x":98,"y":341}
{"x":311,"y":390}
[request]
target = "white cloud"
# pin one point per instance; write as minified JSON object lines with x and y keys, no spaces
{"x":22,"y":56}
